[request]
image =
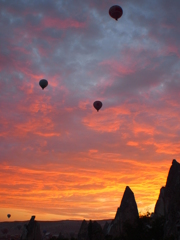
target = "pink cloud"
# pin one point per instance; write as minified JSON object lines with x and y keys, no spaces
{"x":107,"y":120}
{"x":118,"y":67}
{"x":61,"y":24}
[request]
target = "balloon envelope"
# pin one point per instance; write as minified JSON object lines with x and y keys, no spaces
{"x":97,"y":105}
{"x":8,"y":215}
{"x":115,"y":12}
{"x":43,"y":83}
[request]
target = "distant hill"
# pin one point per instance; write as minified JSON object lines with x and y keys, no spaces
{"x":66,"y":227}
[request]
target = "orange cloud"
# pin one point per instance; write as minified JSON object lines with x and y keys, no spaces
{"x":131,"y":143}
{"x":168,"y":148}
{"x":57,"y":189}
{"x":108,"y":120}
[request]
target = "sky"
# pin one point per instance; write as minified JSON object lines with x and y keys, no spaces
{"x":59,"y":157}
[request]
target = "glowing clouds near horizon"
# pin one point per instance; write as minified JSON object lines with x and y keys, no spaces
{"x":86,"y":188}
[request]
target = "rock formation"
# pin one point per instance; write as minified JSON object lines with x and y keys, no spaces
{"x":126,"y":213}
{"x":168,"y":204}
{"x":105,"y":228}
{"x":90,"y":231}
{"x":31,"y":231}
{"x":83,"y":231}
{"x":159,"y":207}
{"x":95,"y":231}
{"x":172,"y":201}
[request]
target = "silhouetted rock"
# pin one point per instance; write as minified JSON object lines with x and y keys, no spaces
{"x":31,"y":231}
{"x":160,"y":207}
{"x":168,"y":203}
{"x":172,"y":201}
{"x":83,"y":231}
{"x":126,"y":213}
{"x":95,"y":231}
{"x":90,"y":231}
{"x":105,"y":228}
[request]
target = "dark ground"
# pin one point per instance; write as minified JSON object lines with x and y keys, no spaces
{"x":65,"y":227}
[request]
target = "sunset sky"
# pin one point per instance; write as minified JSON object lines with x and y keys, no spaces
{"x":59,"y":157}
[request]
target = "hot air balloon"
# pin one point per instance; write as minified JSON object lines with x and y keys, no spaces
{"x":115,"y":12}
{"x":97,"y":105}
{"x":43,"y":83}
{"x":8,"y":215}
